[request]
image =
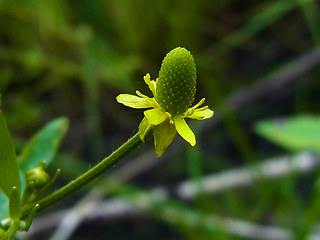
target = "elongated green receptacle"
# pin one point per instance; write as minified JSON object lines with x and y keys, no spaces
{"x":176,"y":85}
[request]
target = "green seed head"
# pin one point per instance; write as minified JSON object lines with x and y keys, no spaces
{"x":176,"y":85}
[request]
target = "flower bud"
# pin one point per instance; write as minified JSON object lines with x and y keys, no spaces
{"x":176,"y":85}
{"x":37,"y":176}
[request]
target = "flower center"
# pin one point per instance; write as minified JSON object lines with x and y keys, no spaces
{"x":176,"y":85}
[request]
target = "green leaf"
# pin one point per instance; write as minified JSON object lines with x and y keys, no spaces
{"x":295,"y":133}
{"x":9,"y":176}
{"x":3,"y":206}
{"x":43,"y":146}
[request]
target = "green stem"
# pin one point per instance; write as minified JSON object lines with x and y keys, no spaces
{"x":87,"y":177}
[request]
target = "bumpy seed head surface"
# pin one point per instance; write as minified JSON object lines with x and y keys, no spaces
{"x":176,"y":85}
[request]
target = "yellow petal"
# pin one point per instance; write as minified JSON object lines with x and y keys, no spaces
{"x":150,"y":83}
{"x":146,"y":79}
{"x":152,"y":87}
{"x":184,"y":131}
{"x":155,"y":116}
{"x":164,"y":134}
{"x":201,"y":113}
{"x":134,"y":101}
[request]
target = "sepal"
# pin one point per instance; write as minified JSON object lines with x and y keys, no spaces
{"x":144,"y":128}
{"x":164,"y":134}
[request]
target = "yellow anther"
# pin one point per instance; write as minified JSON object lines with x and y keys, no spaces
{"x":168,"y":115}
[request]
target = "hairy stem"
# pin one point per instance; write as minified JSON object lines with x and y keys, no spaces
{"x":87,"y":177}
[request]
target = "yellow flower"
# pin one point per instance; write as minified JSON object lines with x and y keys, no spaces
{"x":173,"y":92}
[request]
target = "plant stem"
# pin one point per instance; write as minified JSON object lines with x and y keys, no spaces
{"x":87,"y":177}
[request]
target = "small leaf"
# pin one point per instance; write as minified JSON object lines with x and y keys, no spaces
{"x":44,"y":145}
{"x":9,"y":176}
{"x":295,"y":133}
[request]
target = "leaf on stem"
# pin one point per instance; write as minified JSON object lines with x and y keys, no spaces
{"x":43,"y":145}
{"x":9,"y":176}
{"x":295,"y":133}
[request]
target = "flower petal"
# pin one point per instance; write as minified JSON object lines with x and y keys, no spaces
{"x":201,"y":114}
{"x":184,"y":130}
{"x":134,"y":101}
{"x":155,"y":116}
{"x":152,"y":87}
{"x":150,"y":83}
{"x":164,"y":134}
{"x":144,"y":128}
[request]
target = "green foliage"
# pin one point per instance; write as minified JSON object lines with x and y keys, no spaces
{"x":3,"y":205}
{"x":43,"y":145}
{"x":9,"y":176}
{"x":296,"y":133}
{"x":38,"y":152}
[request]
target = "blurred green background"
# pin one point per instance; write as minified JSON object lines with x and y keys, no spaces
{"x":256,"y":60}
